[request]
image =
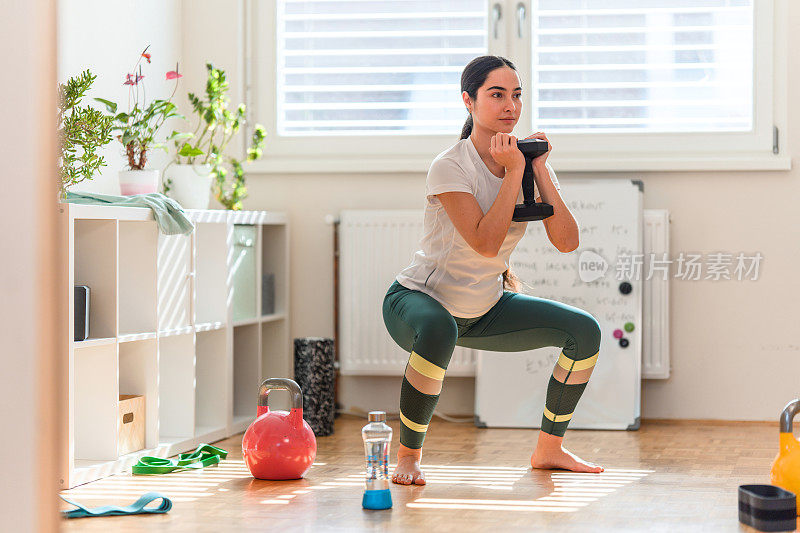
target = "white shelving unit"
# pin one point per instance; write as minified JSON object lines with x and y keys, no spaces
{"x":161,"y":325}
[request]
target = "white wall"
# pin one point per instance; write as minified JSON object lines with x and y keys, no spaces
{"x":107,"y":38}
{"x":211,"y":35}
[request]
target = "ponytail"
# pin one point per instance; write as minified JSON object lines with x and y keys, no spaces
{"x":467,"y":129}
{"x":510,"y":281}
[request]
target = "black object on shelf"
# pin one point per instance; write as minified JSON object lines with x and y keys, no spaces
{"x":767,"y":507}
{"x":314,"y":372}
{"x":81,"y":307}
{"x":267,"y":294}
{"x":531,"y":209}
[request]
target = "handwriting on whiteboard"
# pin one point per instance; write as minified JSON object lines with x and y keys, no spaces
{"x":585,"y":205}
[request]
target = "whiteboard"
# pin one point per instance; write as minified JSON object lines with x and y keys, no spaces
{"x":510,"y":387}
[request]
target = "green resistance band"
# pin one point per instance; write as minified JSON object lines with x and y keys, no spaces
{"x":205,"y":455}
{"x":137,"y":507}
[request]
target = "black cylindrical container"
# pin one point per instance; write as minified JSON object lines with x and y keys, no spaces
{"x":314,"y":372}
{"x":767,"y":507}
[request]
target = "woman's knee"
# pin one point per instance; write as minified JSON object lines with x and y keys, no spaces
{"x":579,"y":357}
{"x":400,"y":331}
{"x":422,"y":325}
{"x":440,"y":326}
{"x":587,"y":334}
{"x":436,"y":336}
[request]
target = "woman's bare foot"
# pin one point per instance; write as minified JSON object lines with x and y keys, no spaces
{"x":408,"y":471}
{"x":549,"y":454}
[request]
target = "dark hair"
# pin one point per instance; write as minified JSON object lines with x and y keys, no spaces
{"x":472,"y":78}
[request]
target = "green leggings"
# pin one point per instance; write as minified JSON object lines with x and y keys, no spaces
{"x":517,"y":322}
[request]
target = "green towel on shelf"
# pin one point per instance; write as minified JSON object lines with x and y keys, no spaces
{"x":169,"y":214}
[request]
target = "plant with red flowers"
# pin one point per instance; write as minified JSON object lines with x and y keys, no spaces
{"x":139,"y":125}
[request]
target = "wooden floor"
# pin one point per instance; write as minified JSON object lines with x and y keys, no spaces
{"x":665,"y":477}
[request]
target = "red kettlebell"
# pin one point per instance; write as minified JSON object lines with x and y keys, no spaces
{"x":279,"y":445}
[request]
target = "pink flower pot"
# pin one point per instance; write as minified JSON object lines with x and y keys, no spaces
{"x":138,"y":181}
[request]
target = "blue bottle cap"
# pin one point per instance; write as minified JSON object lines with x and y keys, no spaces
{"x":377,"y":499}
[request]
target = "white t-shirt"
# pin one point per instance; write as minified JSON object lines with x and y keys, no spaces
{"x":466,"y":283}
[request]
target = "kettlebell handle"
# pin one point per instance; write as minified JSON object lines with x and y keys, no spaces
{"x":280,"y":384}
{"x":791,"y":409}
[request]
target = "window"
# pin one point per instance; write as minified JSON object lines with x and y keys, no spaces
{"x":657,"y":66}
{"x":617,"y":84}
{"x":354,"y":67}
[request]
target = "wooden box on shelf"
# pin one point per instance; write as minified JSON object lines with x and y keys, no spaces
{"x":130,"y":424}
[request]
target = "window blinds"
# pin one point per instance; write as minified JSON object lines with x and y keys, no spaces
{"x":642,"y":65}
{"x":375,"y":67}
{"x":393,"y":67}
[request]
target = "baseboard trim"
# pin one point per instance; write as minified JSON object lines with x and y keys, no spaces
{"x":708,"y":422}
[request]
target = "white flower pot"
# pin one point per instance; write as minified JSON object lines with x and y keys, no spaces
{"x":190,"y":185}
{"x":138,"y":181}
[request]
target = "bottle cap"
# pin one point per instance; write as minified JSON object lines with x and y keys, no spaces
{"x":377,"y":416}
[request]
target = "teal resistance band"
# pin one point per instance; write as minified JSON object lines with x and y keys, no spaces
{"x":205,"y":455}
{"x":137,"y":507}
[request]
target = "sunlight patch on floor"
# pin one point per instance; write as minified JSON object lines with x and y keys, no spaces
{"x":498,"y":505}
{"x":572,"y":491}
{"x":180,"y":486}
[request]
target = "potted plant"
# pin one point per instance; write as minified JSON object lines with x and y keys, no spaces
{"x":231,"y":197}
{"x":200,"y":158}
{"x":81,"y":132}
{"x":138,"y":128}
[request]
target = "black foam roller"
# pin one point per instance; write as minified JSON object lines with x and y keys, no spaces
{"x":314,"y":372}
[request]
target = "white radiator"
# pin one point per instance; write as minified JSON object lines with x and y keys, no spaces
{"x":375,"y":245}
{"x":655,"y":297}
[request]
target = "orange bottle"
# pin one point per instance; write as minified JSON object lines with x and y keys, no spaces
{"x":785,"y":471}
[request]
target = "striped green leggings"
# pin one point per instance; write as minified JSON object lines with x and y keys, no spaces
{"x":517,"y":322}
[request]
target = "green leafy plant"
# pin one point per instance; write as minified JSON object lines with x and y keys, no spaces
{"x":216,"y":126}
{"x":231,"y":196}
{"x":81,"y":132}
{"x":139,"y":125}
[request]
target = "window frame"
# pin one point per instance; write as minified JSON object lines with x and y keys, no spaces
{"x":578,"y":152}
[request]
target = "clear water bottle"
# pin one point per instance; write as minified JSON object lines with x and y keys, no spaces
{"x":377,"y":439}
